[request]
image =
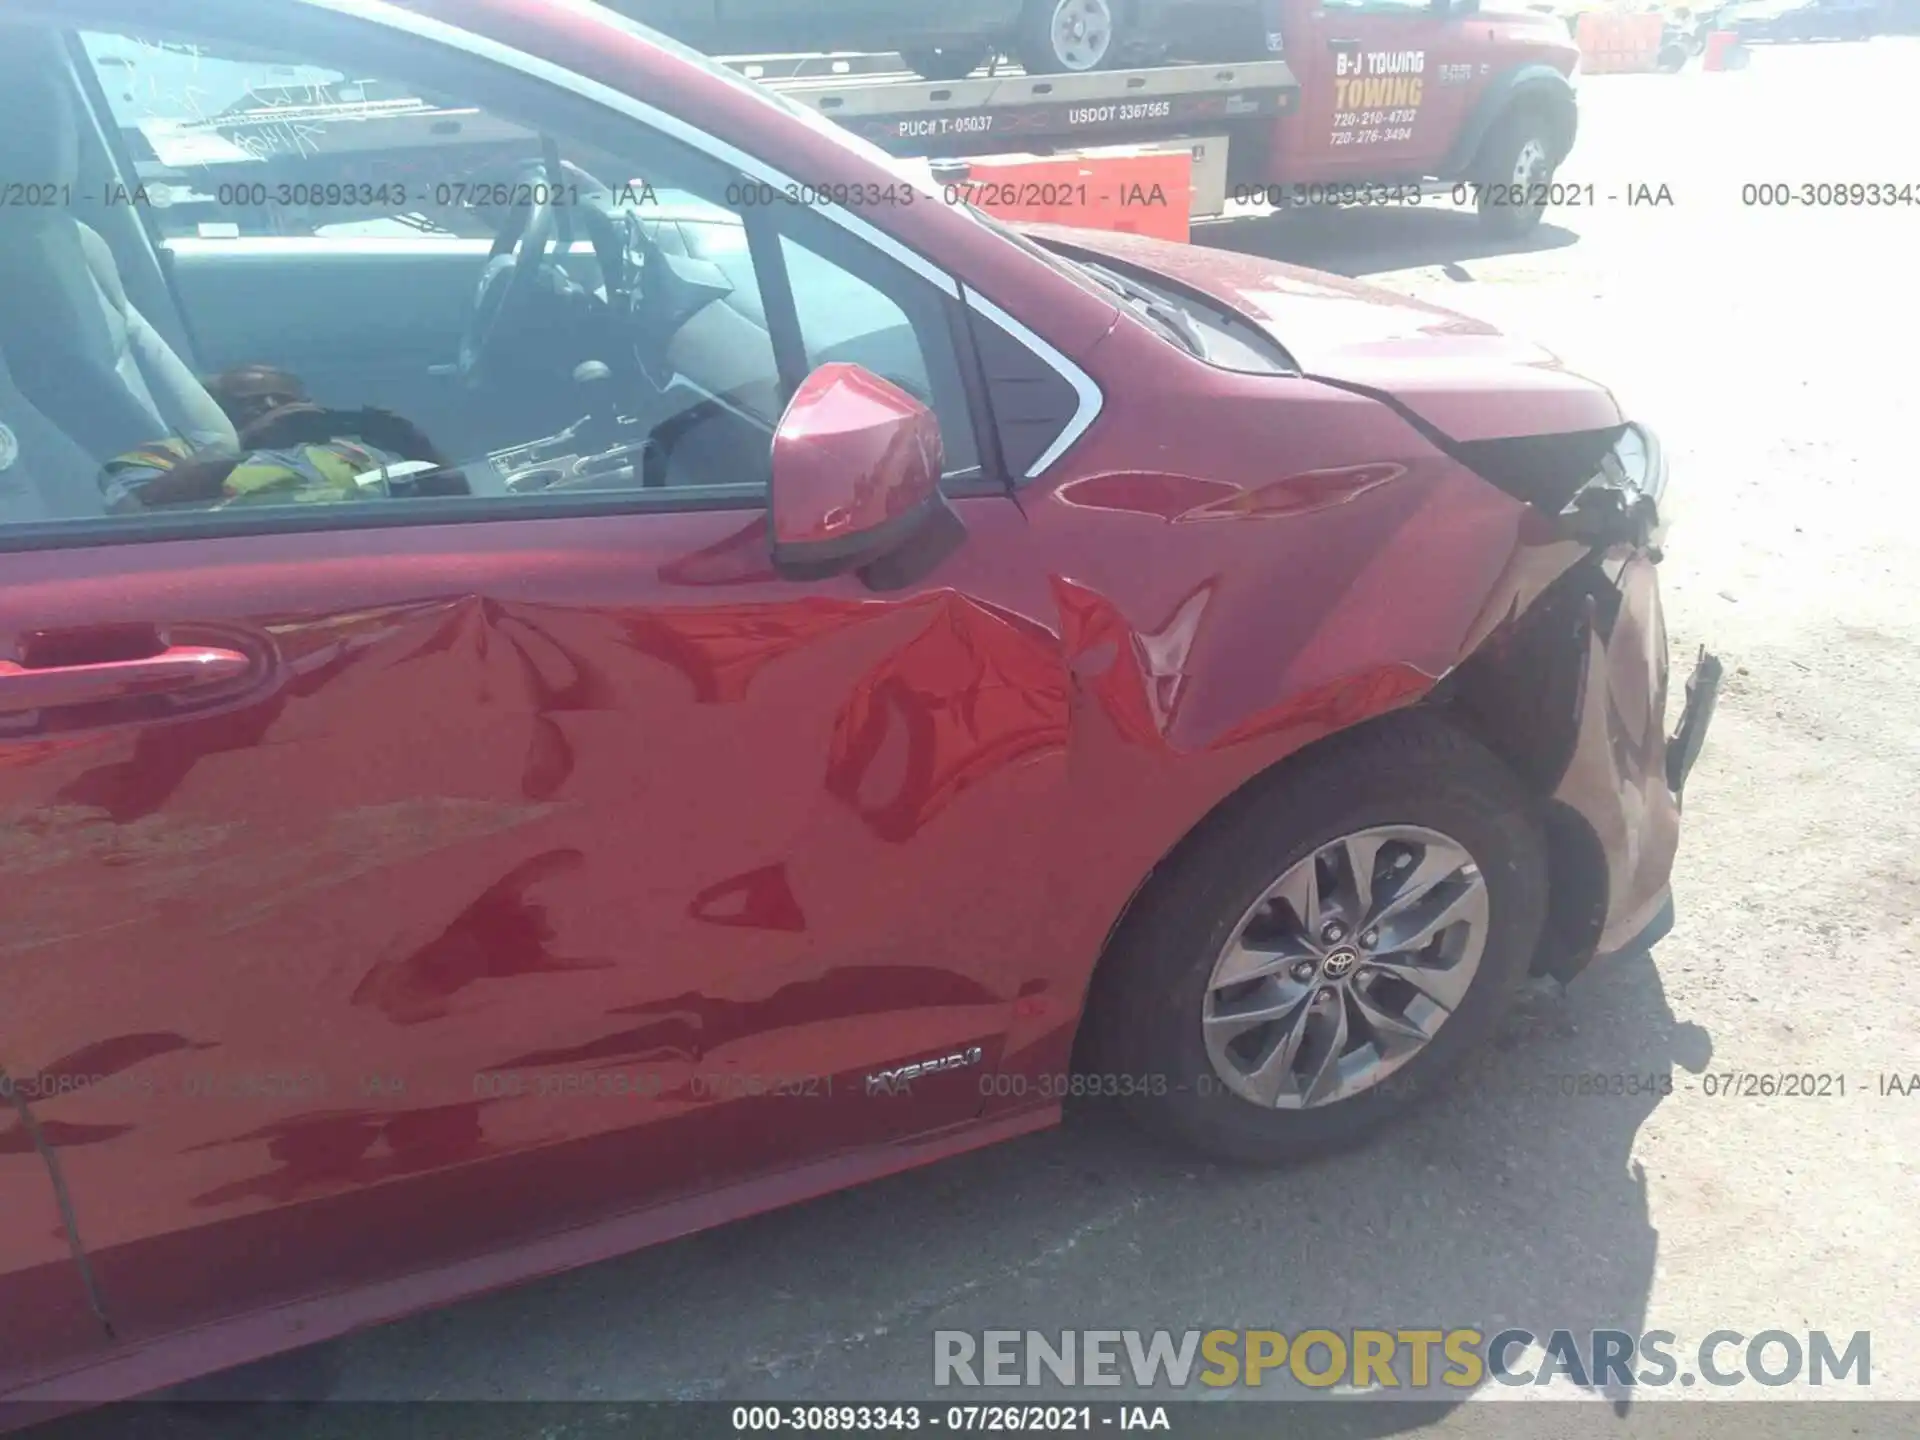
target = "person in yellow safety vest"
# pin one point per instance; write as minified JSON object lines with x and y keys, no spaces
{"x":291,"y":451}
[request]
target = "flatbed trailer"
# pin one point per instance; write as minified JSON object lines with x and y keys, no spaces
{"x":1225,"y":113}
{"x":1035,"y":114}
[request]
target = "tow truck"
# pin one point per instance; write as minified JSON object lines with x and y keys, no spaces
{"x":1349,"y":102}
{"x":1361,"y":102}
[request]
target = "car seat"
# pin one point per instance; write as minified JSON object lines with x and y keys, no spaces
{"x":80,"y":353}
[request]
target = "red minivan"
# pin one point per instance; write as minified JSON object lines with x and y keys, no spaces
{"x":634,"y":666}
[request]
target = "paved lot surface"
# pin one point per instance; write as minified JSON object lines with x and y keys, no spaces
{"x":1773,"y":349}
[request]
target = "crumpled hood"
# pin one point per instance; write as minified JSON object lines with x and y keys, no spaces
{"x":1460,"y":375}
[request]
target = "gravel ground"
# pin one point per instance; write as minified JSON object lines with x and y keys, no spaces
{"x":1769,"y":349}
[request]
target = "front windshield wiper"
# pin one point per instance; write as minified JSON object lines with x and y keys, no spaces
{"x":1155,"y":307}
{"x":1168,"y":318}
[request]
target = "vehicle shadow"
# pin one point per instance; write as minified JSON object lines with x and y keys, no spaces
{"x":1513,"y":1200}
{"x":1356,"y":242}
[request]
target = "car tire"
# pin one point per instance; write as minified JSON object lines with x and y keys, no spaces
{"x":1065,"y":37}
{"x":945,"y":62}
{"x":1159,"y":988}
{"x":1517,"y":154}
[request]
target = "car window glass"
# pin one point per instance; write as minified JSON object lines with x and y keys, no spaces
{"x":914,"y":171}
{"x":354,"y":253}
{"x":207,"y":128}
{"x":844,"y":318}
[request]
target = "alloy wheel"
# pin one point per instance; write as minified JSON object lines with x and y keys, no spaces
{"x":1346,"y":967}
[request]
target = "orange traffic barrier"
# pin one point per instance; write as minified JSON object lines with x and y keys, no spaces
{"x":1718,"y":54}
{"x":1148,"y":192}
{"x":1613,"y":44}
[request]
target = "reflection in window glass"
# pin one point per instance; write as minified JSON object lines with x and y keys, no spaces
{"x":843,"y":318}
{"x":359,"y":344}
{"x":228,"y":144}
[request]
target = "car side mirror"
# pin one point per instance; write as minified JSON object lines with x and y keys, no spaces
{"x":856,"y":481}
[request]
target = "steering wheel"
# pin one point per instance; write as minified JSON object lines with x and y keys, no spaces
{"x":652,"y":327}
{"x":511,"y":277}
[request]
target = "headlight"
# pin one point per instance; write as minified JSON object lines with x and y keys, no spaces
{"x":1637,"y":460}
{"x":1626,"y":499}
{"x":1639,"y":465}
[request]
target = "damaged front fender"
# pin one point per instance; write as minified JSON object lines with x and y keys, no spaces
{"x":1566,"y":675}
{"x":1573,"y":694}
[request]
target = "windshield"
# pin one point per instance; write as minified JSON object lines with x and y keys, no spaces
{"x":1150,"y":305}
{"x":1066,"y":265}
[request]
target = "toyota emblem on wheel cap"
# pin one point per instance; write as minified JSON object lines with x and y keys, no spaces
{"x":1339,"y":963}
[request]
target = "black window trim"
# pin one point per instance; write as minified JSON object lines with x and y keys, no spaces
{"x":1091,"y":401}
